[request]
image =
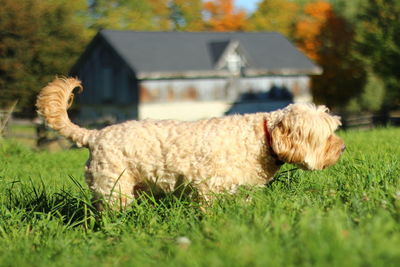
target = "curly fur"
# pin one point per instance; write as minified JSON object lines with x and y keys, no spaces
{"x":212,"y":155}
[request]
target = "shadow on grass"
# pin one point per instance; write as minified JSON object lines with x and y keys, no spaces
{"x":74,"y":208}
{"x":77,"y":210}
{"x":36,"y":202}
{"x":285,"y":178}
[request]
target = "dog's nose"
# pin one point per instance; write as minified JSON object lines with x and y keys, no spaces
{"x":343,"y":148}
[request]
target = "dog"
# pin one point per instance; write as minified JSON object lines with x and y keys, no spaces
{"x":211,"y":155}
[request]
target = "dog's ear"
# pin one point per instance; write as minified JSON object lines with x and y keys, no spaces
{"x":286,"y":143}
{"x":300,"y":134}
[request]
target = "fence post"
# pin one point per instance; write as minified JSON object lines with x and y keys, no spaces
{"x":5,"y":117}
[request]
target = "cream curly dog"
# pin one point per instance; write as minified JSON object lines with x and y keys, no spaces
{"x":212,"y":155}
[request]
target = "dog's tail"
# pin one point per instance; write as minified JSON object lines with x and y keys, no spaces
{"x":52,"y":103}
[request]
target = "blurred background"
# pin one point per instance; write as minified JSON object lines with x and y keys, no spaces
{"x":353,"y":48}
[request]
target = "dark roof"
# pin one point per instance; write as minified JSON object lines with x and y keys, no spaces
{"x":153,"y":54}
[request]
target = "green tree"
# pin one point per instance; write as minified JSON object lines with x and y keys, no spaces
{"x":130,"y":14}
{"x":38,"y":39}
{"x":372,"y":96}
{"x":274,"y":15}
{"x":187,"y":15}
{"x":379,"y":44}
{"x":347,"y":9}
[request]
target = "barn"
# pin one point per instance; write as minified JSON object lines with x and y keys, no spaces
{"x":188,"y":75}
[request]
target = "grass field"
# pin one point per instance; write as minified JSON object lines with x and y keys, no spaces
{"x":347,"y":215}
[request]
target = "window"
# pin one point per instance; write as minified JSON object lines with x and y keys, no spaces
{"x":106,"y":85}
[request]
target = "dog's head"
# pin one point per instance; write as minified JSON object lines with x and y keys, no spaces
{"x":304,"y":136}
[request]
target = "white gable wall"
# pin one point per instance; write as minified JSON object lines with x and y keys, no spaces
{"x":210,"y":97}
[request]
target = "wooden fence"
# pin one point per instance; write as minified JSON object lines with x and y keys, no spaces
{"x":369,"y":120}
{"x":35,"y":134}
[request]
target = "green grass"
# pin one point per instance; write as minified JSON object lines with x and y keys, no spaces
{"x":347,"y":215}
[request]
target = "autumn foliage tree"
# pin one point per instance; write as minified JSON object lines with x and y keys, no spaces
{"x":328,"y":39}
{"x":221,"y":15}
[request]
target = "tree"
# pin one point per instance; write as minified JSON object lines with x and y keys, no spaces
{"x":347,"y":9}
{"x":130,"y":15}
{"x":379,"y":43}
{"x":187,"y":15}
{"x":269,"y":17}
{"x":328,"y":39}
{"x":151,"y":15}
{"x":222,"y":16}
{"x":38,"y":39}
{"x":308,"y":29}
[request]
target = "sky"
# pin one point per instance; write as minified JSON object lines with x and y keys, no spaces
{"x":249,"y":5}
